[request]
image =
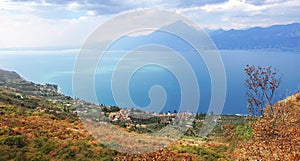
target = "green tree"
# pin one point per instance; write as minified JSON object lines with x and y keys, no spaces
{"x":197,"y":116}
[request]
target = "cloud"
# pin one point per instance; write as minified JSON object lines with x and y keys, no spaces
{"x":67,"y":23}
{"x":32,"y":31}
{"x":241,"y":14}
{"x":104,"y":7}
{"x":31,"y":25}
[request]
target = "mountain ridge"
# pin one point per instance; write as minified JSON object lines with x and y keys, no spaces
{"x":277,"y":37}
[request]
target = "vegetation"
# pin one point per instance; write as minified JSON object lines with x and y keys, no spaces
{"x":276,"y":135}
{"x":44,"y":125}
{"x":261,"y":84}
{"x":31,"y":133}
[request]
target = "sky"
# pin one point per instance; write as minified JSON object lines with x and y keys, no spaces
{"x":66,"y":24}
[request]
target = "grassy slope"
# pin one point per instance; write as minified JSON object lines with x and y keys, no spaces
{"x":32,"y":128}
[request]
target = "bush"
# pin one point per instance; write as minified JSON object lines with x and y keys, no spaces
{"x":18,"y":141}
{"x":245,"y":132}
{"x":38,"y":157}
{"x":206,"y":153}
{"x":276,"y":135}
{"x":44,"y":145}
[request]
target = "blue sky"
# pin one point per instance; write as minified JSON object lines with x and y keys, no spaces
{"x":68,"y":23}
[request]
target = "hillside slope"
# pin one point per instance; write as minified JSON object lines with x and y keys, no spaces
{"x":32,"y":128}
{"x":9,"y":77}
{"x":37,"y":127}
{"x":276,"y":135}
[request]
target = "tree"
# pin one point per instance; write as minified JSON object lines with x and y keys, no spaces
{"x":175,"y":111}
{"x":197,"y":116}
{"x":261,"y":84}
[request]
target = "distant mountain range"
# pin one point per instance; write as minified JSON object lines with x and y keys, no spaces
{"x":278,"y":37}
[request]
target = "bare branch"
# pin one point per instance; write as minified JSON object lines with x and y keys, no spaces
{"x":261,"y":84}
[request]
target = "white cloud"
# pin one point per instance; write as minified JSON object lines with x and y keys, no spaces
{"x":73,"y":6}
{"x":68,"y":24}
{"x":242,"y":14}
{"x":38,"y":32}
{"x":22,"y":27}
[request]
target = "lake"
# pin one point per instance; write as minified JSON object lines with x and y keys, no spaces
{"x":57,"y":67}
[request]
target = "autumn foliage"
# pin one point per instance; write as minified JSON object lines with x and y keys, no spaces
{"x":33,"y":128}
{"x":261,"y":84}
{"x":276,"y":134}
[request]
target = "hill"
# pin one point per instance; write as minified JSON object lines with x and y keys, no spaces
{"x":9,"y":77}
{"x":33,"y":128}
{"x":47,"y":127}
{"x":276,"y":135}
{"x":37,"y":127}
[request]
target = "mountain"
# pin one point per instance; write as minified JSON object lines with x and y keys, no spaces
{"x":278,"y":37}
{"x":282,"y":37}
{"x":158,"y":37}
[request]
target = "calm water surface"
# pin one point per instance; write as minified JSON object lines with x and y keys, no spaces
{"x":57,"y":68}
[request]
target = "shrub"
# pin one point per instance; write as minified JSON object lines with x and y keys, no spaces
{"x":276,"y":135}
{"x":244,"y":132}
{"x":18,"y":141}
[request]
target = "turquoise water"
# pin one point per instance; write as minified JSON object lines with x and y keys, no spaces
{"x":57,"y":67}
